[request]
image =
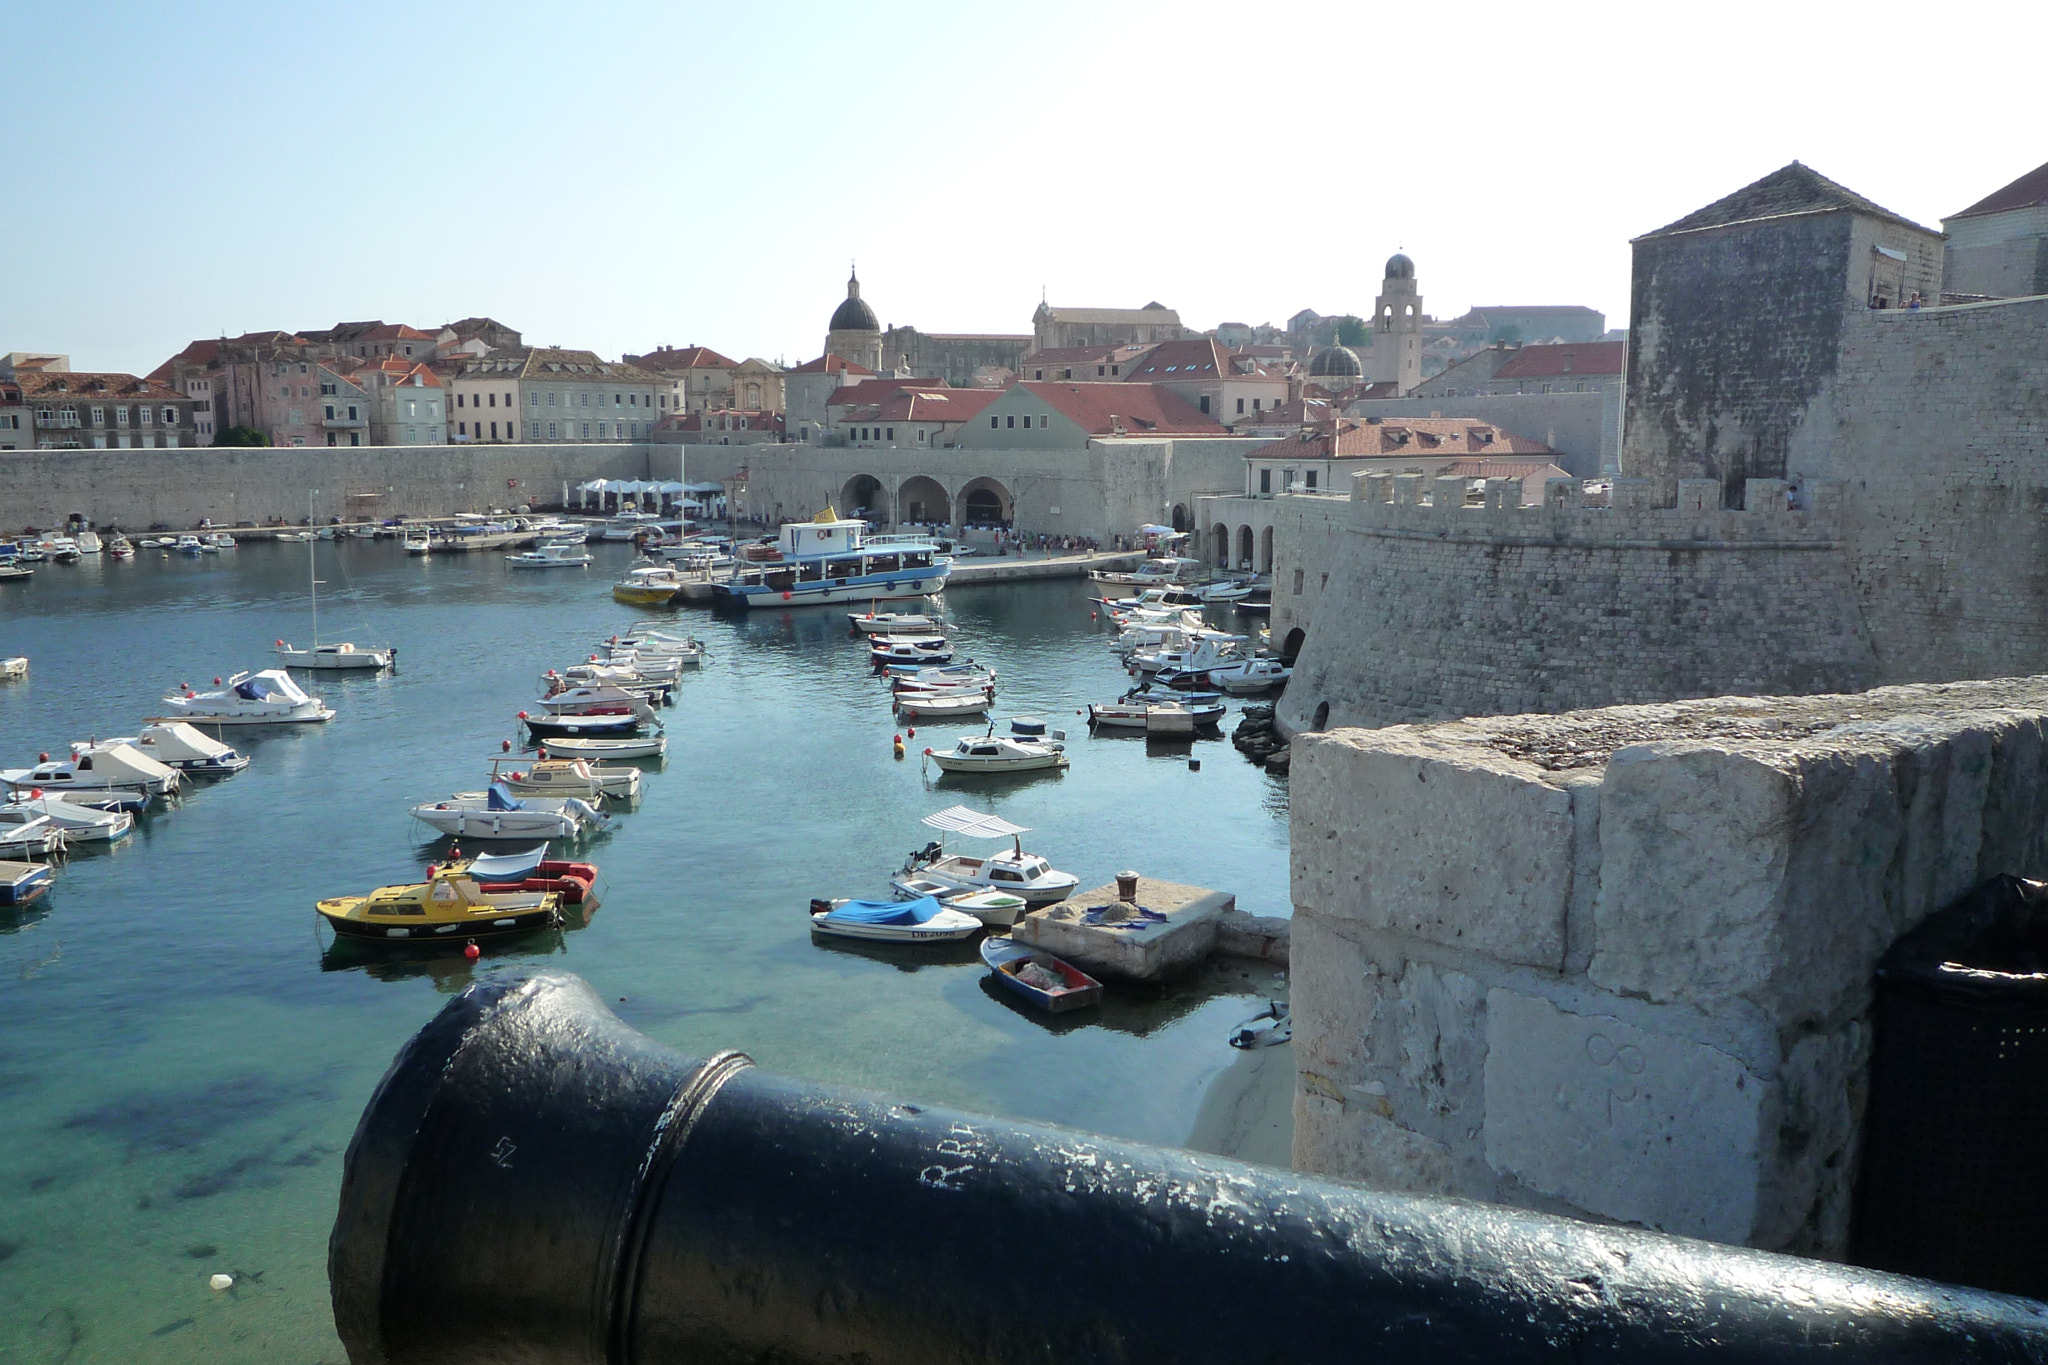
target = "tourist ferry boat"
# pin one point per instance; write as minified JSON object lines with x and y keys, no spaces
{"x":832,"y":560}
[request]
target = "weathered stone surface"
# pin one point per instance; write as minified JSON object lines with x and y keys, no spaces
{"x":1264,"y":938}
{"x":1622,"y":1122}
{"x":1334,"y":995}
{"x":1145,"y":953}
{"x":1397,"y":829}
{"x":1349,"y":1137}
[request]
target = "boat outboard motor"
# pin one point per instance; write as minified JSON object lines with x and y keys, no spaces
{"x":534,"y":1181}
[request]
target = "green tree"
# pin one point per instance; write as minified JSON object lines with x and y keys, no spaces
{"x":241,"y":436}
{"x":1352,"y":331}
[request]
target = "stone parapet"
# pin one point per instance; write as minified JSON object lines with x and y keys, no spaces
{"x":1415,"y":506}
{"x":1619,"y":962}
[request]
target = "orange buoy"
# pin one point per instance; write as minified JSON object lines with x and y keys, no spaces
{"x":471,"y":951}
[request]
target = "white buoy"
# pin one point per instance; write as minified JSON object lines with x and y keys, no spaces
{"x":220,"y":1281}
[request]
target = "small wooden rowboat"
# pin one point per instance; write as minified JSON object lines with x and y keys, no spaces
{"x":1039,"y":977}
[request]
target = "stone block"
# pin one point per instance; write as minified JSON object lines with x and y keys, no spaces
{"x":1452,"y":843}
{"x":1447,"y":494}
{"x":1350,"y":1138}
{"x":1334,"y":993}
{"x":1622,"y":1122}
{"x":1699,"y":495}
{"x":1264,"y":938}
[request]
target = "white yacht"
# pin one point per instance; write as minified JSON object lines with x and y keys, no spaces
{"x":178,"y":745}
{"x":266,"y":698}
{"x":993,"y":753}
{"x":555,"y":554}
{"x":88,"y":542}
{"x":498,"y":814}
{"x":80,"y":824}
{"x":1017,"y":872}
{"x":102,"y":767}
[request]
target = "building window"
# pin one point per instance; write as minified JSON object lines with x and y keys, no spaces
{"x":600,"y":430}
{"x":1265,"y":480}
{"x":532,"y":400}
{"x":1255,"y":405}
{"x":551,"y":399}
{"x":1013,"y":420}
{"x":352,"y":413}
{"x":355,"y":438}
{"x":462,"y":428}
{"x":1240,"y":405}
{"x":120,"y":417}
{"x":1027,"y":421}
{"x":585,"y":396}
{"x":1038,"y":374}
{"x":1205,"y":402}
{"x":458,"y":398}
{"x":494,"y":431}
{"x":326,"y":390}
{"x":1297,"y":582}
{"x":1044,"y":421}
{"x":331,"y":440}
{"x":1099,"y":371}
{"x":994,"y":423}
{"x":1116,"y":369}
{"x":1311,"y":476}
{"x":551,"y":431}
{"x":99,"y":417}
{"x":891,"y":434}
{"x":142,"y":417}
{"x":920,"y":436}
{"x":586,"y":431}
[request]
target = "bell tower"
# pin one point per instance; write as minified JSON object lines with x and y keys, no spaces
{"x":1397,"y":327}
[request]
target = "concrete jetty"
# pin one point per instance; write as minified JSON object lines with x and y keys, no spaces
{"x":696,"y":589}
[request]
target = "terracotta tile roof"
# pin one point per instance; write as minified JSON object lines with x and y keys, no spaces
{"x":1790,"y":190}
{"x":1372,"y":438}
{"x":1139,"y":409}
{"x":394,"y":331}
{"x":1200,"y":358}
{"x":1087,"y":355}
{"x":555,"y":364}
{"x":91,"y":384}
{"x":830,"y":364}
{"x":1575,"y":358}
{"x":877,"y":389}
{"x":929,"y":405}
{"x":667,"y":359}
{"x":2024,"y":193}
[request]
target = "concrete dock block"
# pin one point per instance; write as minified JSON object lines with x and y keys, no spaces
{"x":1144,"y":951}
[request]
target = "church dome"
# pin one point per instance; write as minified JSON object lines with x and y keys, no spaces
{"x":1336,"y":362}
{"x":1399,"y":267}
{"x":854,"y":315}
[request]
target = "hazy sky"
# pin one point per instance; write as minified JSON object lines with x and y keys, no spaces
{"x":618,"y":175}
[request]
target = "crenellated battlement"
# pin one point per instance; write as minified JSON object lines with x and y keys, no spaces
{"x":1418,"y":506}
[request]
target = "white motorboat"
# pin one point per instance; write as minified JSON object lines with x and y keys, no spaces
{"x":911,"y":651}
{"x":80,"y":824}
{"x":686,"y":650}
{"x":924,"y":920}
{"x":626,"y":677}
{"x":181,"y":746}
{"x":626,"y":525}
{"x":894,"y":622}
{"x":1235,"y":590}
{"x":266,"y":698}
{"x":498,"y":814}
{"x":13,"y":669}
{"x":639,"y":746}
{"x":960,"y":677}
{"x":553,"y":555}
{"x":1153,"y":573}
{"x":13,"y":570}
{"x":597,"y":699}
{"x":1207,"y":651}
{"x":221,"y":540}
{"x":997,"y":909}
{"x":1134,"y":711}
{"x":41,"y":837}
{"x":120,"y":547}
{"x":102,"y":767}
{"x":1251,"y":675}
{"x":1019,"y":873}
{"x":994,"y":753}
{"x":189,"y":545}
{"x":1152,"y":599}
{"x":648,"y":585}
{"x":919,"y":705}
{"x":564,"y":777}
{"x":418,"y":540}
{"x":88,"y":542}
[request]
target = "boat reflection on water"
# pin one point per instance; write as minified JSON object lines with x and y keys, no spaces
{"x":444,"y":963}
{"x":1142,"y":1008}
{"x":905,"y":957}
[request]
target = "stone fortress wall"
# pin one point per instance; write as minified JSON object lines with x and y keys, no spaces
{"x":1618,"y":963}
{"x":135,"y":489}
{"x":1449,"y":609}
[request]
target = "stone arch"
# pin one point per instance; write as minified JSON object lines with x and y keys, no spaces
{"x":985,"y":502}
{"x":1266,"y":550}
{"x":1219,"y":545}
{"x":1291,"y":646}
{"x":923,"y":499}
{"x":1181,"y":520}
{"x":861,"y":495}
{"x":1244,"y":547}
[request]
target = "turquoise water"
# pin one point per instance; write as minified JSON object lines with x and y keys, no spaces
{"x":182,"y":1065}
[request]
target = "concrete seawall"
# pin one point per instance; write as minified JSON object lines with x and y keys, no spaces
{"x":135,"y":489}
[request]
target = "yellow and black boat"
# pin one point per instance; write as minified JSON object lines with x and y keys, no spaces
{"x":449,"y":904}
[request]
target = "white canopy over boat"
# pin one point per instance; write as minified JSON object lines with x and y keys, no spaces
{"x":973,"y":824}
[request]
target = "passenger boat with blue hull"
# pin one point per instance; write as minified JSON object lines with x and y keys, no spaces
{"x":832,"y":560}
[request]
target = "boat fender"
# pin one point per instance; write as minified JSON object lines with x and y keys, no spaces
{"x":471,"y":951}
{"x":432,"y":868}
{"x":278,"y":643}
{"x":913,"y":732}
{"x":522,"y":715}
{"x":504,"y":746}
{"x":42,"y":758}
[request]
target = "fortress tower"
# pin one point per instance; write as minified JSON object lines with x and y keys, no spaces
{"x":1397,"y":328}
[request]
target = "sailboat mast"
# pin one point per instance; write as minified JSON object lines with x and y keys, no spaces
{"x":312,"y":571}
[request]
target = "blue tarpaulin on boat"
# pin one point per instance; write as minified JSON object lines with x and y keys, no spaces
{"x":888,"y":912}
{"x":252,"y":690}
{"x":501,"y":798}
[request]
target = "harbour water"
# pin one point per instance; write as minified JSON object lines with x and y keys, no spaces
{"x":183,"y":1064}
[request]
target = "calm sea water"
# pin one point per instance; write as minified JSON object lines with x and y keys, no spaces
{"x":182,"y":1066}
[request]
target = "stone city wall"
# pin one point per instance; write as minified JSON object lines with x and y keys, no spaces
{"x":136,"y":489}
{"x":1452,"y":610}
{"x":1618,"y":963}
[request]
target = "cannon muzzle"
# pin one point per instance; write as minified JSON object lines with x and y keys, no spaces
{"x":535,"y":1182}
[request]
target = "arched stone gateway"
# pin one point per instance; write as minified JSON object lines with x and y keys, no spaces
{"x":923,"y":500}
{"x":985,"y":502}
{"x":1244,"y":547}
{"x":1219,"y":545}
{"x":1291,"y":646}
{"x":1266,"y":550}
{"x":862,"y":497}
{"x":1181,"y":521}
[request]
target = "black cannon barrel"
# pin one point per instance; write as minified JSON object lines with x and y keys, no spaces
{"x":535,"y":1182}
